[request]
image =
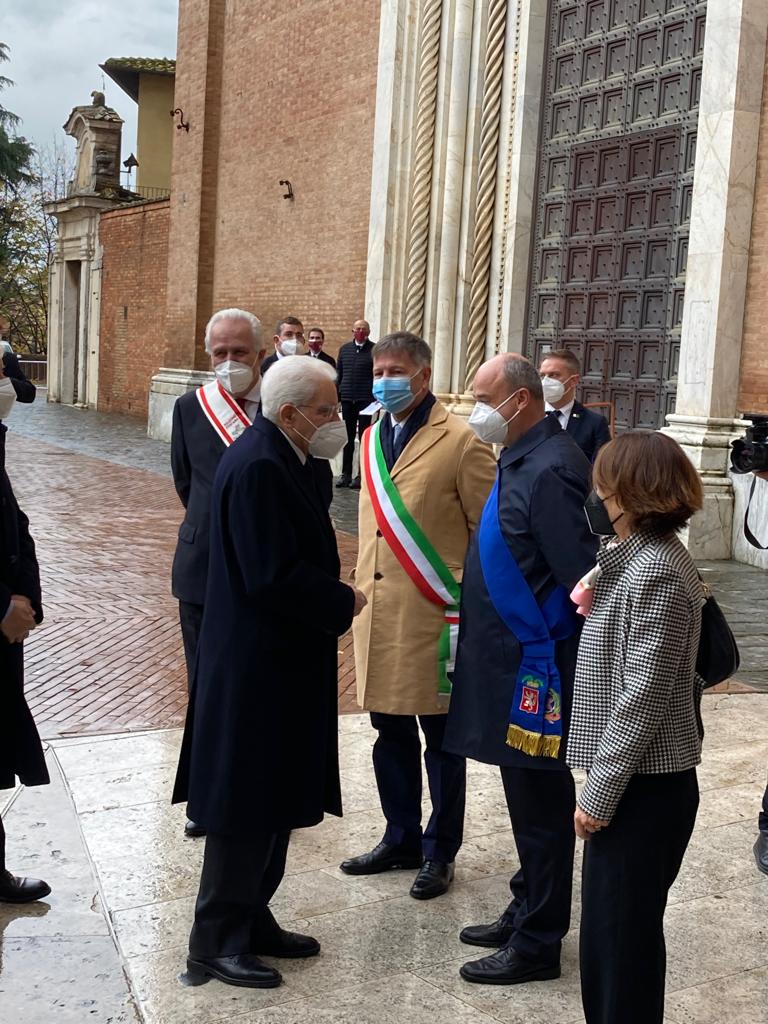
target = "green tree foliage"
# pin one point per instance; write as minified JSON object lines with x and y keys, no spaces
{"x":28,"y":180}
{"x":15,"y":152}
{"x":27,"y":247}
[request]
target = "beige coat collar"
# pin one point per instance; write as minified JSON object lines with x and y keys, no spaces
{"x":424,"y":438}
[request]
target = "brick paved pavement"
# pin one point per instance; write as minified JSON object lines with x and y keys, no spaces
{"x":108,"y":657}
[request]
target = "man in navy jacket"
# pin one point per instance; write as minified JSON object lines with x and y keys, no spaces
{"x":543,"y":482}
{"x":233,"y":339}
{"x":561,"y":374}
{"x":260,"y":751}
{"x":355,"y":383}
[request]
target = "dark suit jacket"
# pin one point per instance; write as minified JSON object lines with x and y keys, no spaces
{"x":195,"y":454}
{"x":544,"y":481}
{"x":25,"y":389}
{"x":20,"y":751}
{"x":196,"y":450}
{"x":324,"y":358}
{"x":588,"y":429}
{"x":266,"y":363}
{"x":355,"y":372}
{"x":260,"y":751}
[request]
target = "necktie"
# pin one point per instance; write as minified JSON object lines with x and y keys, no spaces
{"x":396,"y":439}
{"x":555,"y":414}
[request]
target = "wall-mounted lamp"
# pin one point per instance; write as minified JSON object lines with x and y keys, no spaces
{"x":289,"y":186}
{"x":182,"y":123}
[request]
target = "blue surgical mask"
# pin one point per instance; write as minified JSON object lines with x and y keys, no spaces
{"x":394,"y":393}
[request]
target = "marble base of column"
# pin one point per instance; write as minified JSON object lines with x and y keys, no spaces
{"x":707,"y":442}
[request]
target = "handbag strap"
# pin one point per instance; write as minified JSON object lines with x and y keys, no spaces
{"x":747,"y":532}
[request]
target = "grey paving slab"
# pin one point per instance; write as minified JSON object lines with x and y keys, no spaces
{"x":124,"y":440}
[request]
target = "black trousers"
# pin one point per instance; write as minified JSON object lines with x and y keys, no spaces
{"x":350,"y":413}
{"x":191,"y":618}
{"x":762,"y":821}
{"x":541,"y":804}
{"x":397,"y":764}
{"x":629,"y":868}
{"x":239,"y":878}
{"x":2,"y":845}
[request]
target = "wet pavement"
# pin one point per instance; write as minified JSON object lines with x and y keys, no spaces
{"x":106,"y":679}
{"x":109,"y":943}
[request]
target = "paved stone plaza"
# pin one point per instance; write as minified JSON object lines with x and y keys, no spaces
{"x":106,"y":682}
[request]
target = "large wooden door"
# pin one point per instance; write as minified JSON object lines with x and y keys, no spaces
{"x":613,"y":204}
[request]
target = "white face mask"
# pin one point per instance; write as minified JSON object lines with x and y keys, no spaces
{"x":7,"y":397}
{"x":234,"y":377}
{"x":328,"y":440}
{"x":488,"y":423}
{"x":291,"y":347}
{"x":553,"y":389}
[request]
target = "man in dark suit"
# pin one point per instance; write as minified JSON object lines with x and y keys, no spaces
{"x":21,"y":753}
{"x":560,"y":373}
{"x":199,"y":438}
{"x":315,"y":345}
{"x":539,"y":548}
{"x":288,"y":340}
{"x":355,"y":369}
{"x":260,"y":751}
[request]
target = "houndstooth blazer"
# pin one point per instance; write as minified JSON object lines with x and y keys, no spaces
{"x":636,"y":705}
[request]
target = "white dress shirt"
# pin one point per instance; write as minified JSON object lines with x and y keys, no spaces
{"x":564,"y":414}
{"x":251,"y":400}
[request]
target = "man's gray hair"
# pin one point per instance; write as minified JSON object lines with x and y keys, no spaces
{"x":234,"y":314}
{"x":520,"y":372}
{"x":401,"y":341}
{"x":292,"y":380}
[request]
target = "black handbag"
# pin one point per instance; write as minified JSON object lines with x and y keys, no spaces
{"x":718,"y":655}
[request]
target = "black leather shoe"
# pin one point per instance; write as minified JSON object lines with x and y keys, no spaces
{"x":344,"y":480}
{"x":493,"y":936}
{"x":433,"y":880}
{"x":507,"y":968}
{"x":21,"y":890}
{"x":289,"y":945}
{"x":382,"y":858}
{"x":244,"y":970}
{"x":355,"y":485}
{"x":193,"y":830}
{"x":761,"y":852}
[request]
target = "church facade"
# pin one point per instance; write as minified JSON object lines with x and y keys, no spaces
{"x":496,"y":175}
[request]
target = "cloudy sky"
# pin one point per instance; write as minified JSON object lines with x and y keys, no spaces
{"x":56,"y":49}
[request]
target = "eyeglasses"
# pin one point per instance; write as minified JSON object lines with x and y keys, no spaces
{"x":325,"y":412}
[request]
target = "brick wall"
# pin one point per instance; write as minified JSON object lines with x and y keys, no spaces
{"x":753,"y":392}
{"x":133,"y":295}
{"x":271,"y":91}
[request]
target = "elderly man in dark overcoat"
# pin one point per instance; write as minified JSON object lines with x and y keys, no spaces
{"x":260,"y":750}
{"x":516,"y":659}
{"x":21,"y":753}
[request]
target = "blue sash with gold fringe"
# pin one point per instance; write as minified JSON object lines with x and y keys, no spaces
{"x":535,"y":719}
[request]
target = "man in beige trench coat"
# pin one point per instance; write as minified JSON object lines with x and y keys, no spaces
{"x":425,"y":479}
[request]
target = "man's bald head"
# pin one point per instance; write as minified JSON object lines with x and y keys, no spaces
{"x":502,"y":377}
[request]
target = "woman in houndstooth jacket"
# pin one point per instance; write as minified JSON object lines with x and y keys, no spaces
{"x":636,"y":725}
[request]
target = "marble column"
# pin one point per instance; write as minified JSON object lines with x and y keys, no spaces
{"x":716,"y":274}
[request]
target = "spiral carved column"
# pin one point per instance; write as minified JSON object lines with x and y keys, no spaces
{"x":421,"y":187}
{"x":486,"y":188}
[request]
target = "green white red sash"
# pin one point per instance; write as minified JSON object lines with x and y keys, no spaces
{"x":413,"y":550}
{"x":222,"y":412}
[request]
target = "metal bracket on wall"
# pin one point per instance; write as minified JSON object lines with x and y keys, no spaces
{"x":289,"y":186}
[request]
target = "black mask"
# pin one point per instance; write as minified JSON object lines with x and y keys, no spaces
{"x":600,"y":523}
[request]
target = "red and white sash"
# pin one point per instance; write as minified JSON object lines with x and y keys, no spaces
{"x":222,"y":412}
